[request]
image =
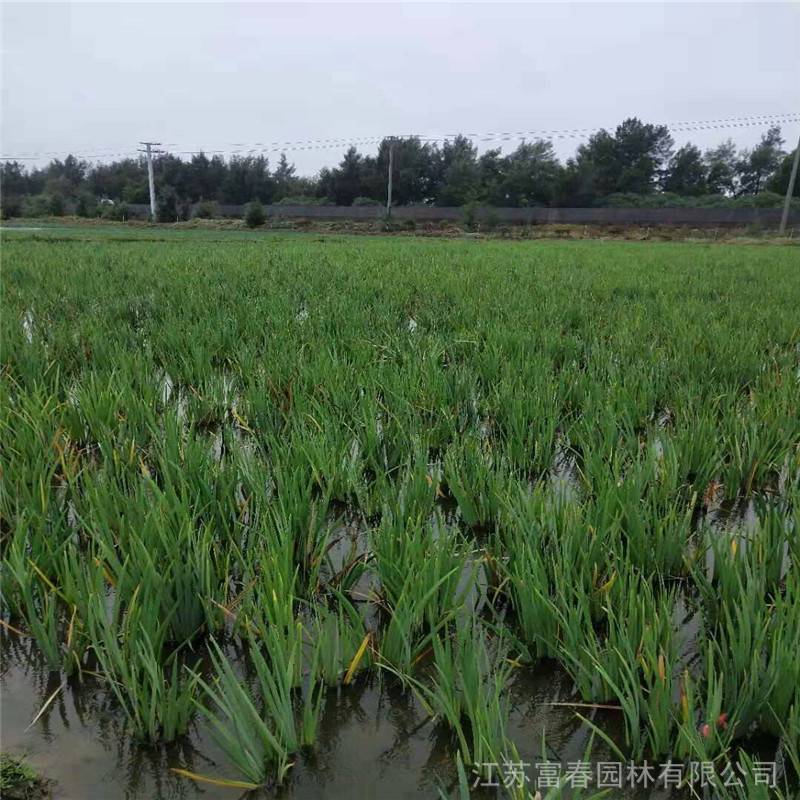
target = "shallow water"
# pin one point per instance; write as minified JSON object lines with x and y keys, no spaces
{"x":375,"y":741}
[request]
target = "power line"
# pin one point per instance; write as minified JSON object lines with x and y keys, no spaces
{"x":320,"y":143}
{"x":283,"y":147}
{"x":204,"y":151}
{"x":297,"y":145}
{"x":566,"y":133}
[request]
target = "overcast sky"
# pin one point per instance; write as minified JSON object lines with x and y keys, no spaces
{"x":97,"y":78}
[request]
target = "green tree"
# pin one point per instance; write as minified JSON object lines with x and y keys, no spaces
{"x":721,"y":168}
{"x":632,"y":159}
{"x":65,"y":178}
{"x":492,"y":171}
{"x":14,"y":185}
{"x":779,"y":182}
{"x":757,"y":166}
{"x":13,"y":179}
{"x":167,"y":205}
{"x":346,"y":182}
{"x":283,"y":178}
{"x":459,"y":173}
{"x":530,"y":175}
{"x":86,"y":204}
{"x":415,"y":171}
{"x":686,"y":174}
{"x":247,"y":178}
{"x":121,"y":179}
{"x":204,"y":177}
{"x":576,"y":187}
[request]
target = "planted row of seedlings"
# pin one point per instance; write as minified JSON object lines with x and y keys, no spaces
{"x":601,"y":473}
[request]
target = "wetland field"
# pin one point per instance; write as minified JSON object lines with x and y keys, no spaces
{"x":302,"y":516}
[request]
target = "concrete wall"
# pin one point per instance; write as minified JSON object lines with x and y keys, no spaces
{"x":696,"y":217}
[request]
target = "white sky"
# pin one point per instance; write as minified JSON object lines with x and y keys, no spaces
{"x":97,"y":78}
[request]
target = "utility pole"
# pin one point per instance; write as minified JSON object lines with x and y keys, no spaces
{"x":150,"y":152}
{"x":789,"y":190}
{"x":389,"y":190}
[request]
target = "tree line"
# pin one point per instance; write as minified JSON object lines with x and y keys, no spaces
{"x":636,"y":164}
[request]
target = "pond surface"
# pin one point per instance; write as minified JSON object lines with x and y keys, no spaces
{"x":375,"y":740}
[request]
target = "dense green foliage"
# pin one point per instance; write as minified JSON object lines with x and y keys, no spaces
{"x":545,"y":446}
{"x":254,"y":214}
{"x":19,"y":781}
{"x":636,"y":161}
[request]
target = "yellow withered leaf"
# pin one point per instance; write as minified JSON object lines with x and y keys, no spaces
{"x":357,"y":659}
{"x":606,"y":587}
{"x":71,"y":627}
{"x":10,"y":627}
{"x":241,"y":423}
{"x":47,"y":704}
{"x":44,"y":577}
{"x":185,"y":773}
{"x":106,"y":574}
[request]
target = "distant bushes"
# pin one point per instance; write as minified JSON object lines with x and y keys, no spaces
{"x":469,"y":216}
{"x":86,"y":205}
{"x":43,"y":205}
{"x":635,"y":164}
{"x":670,"y":200}
{"x":304,"y":200}
{"x":167,"y":205}
{"x":475,"y":217}
{"x":10,"y":206}
{"x":254,"y":214}
{"x":205,"y":209}
{"x":116,"y":212}
{"x":762,"y":200}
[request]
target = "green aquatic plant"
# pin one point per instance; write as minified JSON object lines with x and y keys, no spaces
{"x":18,"y":779}
{"x":259,"y":726}
{"x":336,"y":636}
{"x":467,"y":692}
{"x":567,"y":443}
{"x":155,"y":691}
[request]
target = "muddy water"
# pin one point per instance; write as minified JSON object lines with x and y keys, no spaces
{"x":375,"y":741}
